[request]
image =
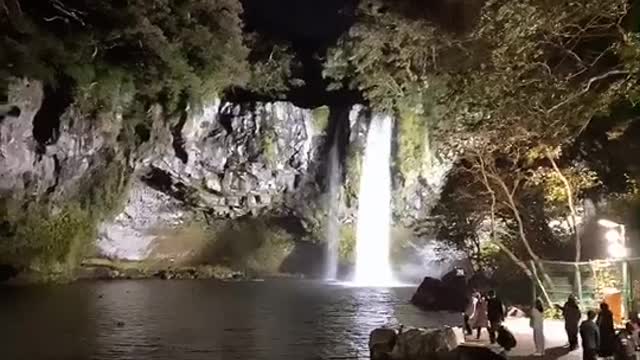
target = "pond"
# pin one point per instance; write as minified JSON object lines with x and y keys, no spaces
{"x":154,"y":319}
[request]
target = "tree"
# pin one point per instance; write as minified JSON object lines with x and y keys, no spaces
{"x":163,"y":50}
{"x":526,"y":75}
{"x":275,"y":70}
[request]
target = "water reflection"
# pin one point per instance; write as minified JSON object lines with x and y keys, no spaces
{"x":194,"y":320}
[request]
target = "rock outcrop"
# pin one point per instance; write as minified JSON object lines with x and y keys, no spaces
{"x":159,"y":186}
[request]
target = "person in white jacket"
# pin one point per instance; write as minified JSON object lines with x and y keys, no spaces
{"x":469,"y":312}
{"x":537,"y":323}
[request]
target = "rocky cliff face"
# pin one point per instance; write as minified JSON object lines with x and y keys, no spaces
{"x":240,"y":184}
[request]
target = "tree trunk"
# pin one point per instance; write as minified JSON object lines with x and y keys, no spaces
{"x":487,"y":177}
{"x":573,"y":214}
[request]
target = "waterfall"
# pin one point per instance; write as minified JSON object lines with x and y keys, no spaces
{"x":373,"y":267}
{"x":333,"y":208}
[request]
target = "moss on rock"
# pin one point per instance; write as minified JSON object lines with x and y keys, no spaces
{"x":270,"y":146}
{"x":275,"y":247}
{"x":352,"y":180}
{"x":50,"y":238}
{"x":321,"y":119}
{"x":412,"y":132}
{"x":347,"y":243}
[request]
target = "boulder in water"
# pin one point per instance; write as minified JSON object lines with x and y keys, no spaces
{"x":438,"y":295}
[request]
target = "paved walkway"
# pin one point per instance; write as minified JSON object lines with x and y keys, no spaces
{"x":555,"y":340}
{"x":555,"y":336}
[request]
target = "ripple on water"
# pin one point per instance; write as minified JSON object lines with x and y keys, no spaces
{"x":194,"y":320}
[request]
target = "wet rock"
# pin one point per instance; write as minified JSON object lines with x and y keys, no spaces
{"x":413,"y":344}
{"x":162,"y":274}
{"x":448,"y":294}
{"x":381,"y":343}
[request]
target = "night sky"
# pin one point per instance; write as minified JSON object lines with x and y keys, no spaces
{"x":310,"y":25}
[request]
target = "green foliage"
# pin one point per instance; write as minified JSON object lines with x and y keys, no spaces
{"x":321,"y":118}
{"x":162,"y":49}
{"x":385,"y":57}
{"x":274,"y":68}
{"x":347,"y":243}
{"x":552,"y":313}
{"x":47,"y":239}
{"x":606,"y":278}
{"x":534,"y":70}
{"x":103,"y":193}
{"x":580,"y":180}
{"x":270,"y":145}
{"x":52,"y":239}
{"x":353,"y":174}
{"x":255,"y":245}
{"x":274,"y":249}
{"x":412,"y":130}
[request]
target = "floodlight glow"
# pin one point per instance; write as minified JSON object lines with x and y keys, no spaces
{"x":612,"y":236}
{"x":617,"y":251}
{"x":608,"y":223}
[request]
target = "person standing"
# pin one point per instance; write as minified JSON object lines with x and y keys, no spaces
{"x":626,"y":344}
{"x":607,"y":332}
{"x":480,"y":319}
{"x":469,"y":313}
{"x":495,"y":314}
{"x":571,"y":315}
{"x":537,"y":323}
{"x":590,"y":335}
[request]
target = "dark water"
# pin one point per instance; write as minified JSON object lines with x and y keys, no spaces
{"x":183,"y":320}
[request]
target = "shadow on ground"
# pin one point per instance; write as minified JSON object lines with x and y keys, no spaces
{"x":552,"y":353}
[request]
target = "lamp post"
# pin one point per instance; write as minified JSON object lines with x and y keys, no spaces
{"x":617,"y":248}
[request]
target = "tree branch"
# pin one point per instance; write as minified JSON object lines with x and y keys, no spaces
{"x":587,"y":88}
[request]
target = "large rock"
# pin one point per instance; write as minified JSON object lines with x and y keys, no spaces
{"x":449,"y":294}
{"x":418,"y":344}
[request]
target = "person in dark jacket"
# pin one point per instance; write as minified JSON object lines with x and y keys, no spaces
{"x":571,"y":315}
{"x":607,"y":332}
{"x":495,"y":314}
{"x":590,"y":335}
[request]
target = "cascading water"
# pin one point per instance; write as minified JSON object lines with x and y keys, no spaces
{"x":373,"y":267}
{"x":333,"y":207}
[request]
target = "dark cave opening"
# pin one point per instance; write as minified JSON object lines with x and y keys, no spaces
{"x":178,"y":140}
{"x":46,"y":123}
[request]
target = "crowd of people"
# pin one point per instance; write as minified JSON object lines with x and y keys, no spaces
{"x":597,"y":331}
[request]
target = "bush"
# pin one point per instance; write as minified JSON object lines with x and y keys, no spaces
{"x":49,"y":240}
